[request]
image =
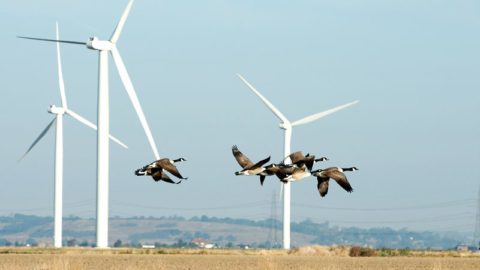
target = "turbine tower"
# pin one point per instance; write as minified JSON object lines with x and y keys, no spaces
{"x":58,"y":120}
{"x":476,"y":233}
{"x":287,"y":126}
{"x":103,"y":122}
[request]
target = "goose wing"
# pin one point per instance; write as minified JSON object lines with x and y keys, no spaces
{"x":242,"y":160}
{"x":309,"y":161}
{"x":168,"y":180}
{"x":173,"y":170}
{"x":295,"y":157}
{"x":281,"y":175}
{"x":159,"y":174}
{"x":322,"y":185}
{"x":259,"y":164}
{"x":169,"y":167}
{"x":341,"y":179}
{"x":262,"y":179}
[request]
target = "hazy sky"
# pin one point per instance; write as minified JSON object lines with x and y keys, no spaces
{"x":414,"y":66}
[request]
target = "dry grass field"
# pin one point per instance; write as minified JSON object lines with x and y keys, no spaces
{"x":304,"y":258}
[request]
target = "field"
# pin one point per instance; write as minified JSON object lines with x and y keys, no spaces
{"x":305,"y":258}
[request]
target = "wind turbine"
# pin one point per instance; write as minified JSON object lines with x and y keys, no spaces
{"x":58,"y":120}
{"x":287,"y":126}
{"x":103,"y":47}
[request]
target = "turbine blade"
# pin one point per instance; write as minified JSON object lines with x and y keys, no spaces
{"x":61,"y":82}
{"x":54,"y":40}
{"x":45,"y":130}
{"x":265,"y":101}
{"x":133,"y":97}
{"x":319,"y":115}
{"x":121,"y":23}
{"x":89,"y":124}
{"x":281,"y":190}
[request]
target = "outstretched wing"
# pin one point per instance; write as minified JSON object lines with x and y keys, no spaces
{"x":158,"y":174}
{"x":259,"y":164}
{"x":168,"y":180}
{"x":322,"y":185}
{"x":295,"y":157}
{"x":309,"y":161}
{"x":242,"y":160}
{"x":341,"y":179}
{"x":262,"y":179}
{"x":169,"y":167}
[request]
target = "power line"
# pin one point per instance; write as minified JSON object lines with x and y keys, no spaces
{"x":418,"y":220}
{"x":234,"y":206}
{"x":401,"y":208}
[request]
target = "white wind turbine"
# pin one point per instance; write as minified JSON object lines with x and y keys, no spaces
{"x":58,"y":119}
{"x":103,"y":47}
{"x":287,"y":126}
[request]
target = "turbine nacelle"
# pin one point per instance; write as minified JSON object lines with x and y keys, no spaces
{"x":94,"y":43}
{"x":56,"y":110}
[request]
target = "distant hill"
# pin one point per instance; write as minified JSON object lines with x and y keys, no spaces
{"x":164,"y":231}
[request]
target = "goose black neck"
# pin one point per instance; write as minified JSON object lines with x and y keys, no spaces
{"x":349,"y":169}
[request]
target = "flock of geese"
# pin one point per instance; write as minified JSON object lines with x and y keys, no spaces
{"x":301,"y":166}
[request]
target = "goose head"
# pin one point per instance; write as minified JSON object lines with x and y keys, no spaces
{"x":141,"y":171}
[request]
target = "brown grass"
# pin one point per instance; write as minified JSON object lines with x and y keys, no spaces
{"x":314,"y":257}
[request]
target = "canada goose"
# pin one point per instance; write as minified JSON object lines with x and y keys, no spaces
{"x":248,"y":167}
{"x":336,"y":173}
{"x":300,"y":160}
{"x":157,"y":175}
{"x":157,"y":170}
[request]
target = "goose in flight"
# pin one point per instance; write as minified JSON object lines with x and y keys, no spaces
{"x":249,"y":168}
{"x":335,"y":173}
{"x":157,"y":170}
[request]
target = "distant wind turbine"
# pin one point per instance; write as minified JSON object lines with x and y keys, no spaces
{"x":287,"y":126}
{"x":103,"y":47}
{"x":58,"y":119}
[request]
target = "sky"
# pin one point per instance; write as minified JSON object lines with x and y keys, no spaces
{"x":413,"y":65}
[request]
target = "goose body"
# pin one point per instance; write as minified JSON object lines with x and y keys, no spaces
{"x":158,"y":169}
{"x":293,"y":173}
{"x":335,"y":173}
{"x":249,"y":168}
